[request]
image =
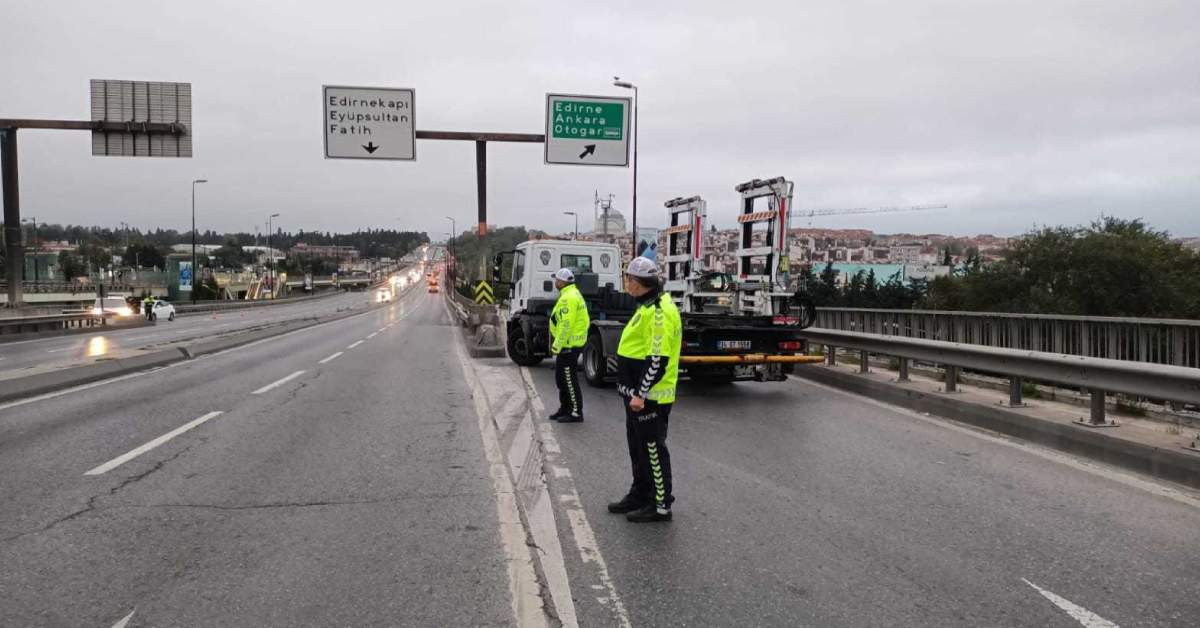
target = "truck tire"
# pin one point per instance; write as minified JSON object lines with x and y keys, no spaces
{"x":595,"y":364}
{"x":518,"y":348}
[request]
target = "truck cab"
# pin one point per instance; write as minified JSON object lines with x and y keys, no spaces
{"x":597,"y":268}
{"x":535,"y":261}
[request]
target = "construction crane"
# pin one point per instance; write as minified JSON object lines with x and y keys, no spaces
{"x":810,"y":213}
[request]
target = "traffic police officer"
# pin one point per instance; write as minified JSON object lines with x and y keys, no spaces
{"x":569,"y":324}
{"x":647,"y":370}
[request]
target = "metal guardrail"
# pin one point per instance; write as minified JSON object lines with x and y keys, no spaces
{"x":54,"y":322}
{"x":1097,"y":375}
{"x":1153,"y":340}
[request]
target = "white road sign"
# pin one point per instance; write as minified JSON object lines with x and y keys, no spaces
{"x":587,"y":130}
{"x":370,"y":123}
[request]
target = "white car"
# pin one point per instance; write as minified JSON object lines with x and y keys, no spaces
{"x":162,"y":309}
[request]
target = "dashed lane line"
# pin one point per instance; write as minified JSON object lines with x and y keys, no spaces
{"x":372,"y":335}
{"x":355,"y":344}
{"x":277,"y":383}
{"x":331,"y":358}
{"x":126,"y":457}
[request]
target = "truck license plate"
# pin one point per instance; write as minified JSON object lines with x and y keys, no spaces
{"x":733,"y":345}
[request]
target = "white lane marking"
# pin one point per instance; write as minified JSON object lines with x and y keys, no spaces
{"x":124,"y":620}
{"x":355,"y":344}
{"x":372,"y":335}
{"x":331,"y":358}
{"x":1077,"y":612}
{"x":277,"y":383}
{"x":527,"y":605}
{"x":1180,"y":494}
{"x":126,"y":457}
{"x":382,"y":329}
{"x":585,"y":537}
{"x":120,"y":378}
{"x":59,"y":350}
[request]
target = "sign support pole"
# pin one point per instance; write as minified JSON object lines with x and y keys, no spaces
{"x":14,"y":248}
{"x":481,"y":196}
{"x":481,"y":140}
{"x":14,"y":245}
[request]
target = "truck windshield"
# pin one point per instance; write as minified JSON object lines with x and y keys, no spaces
{"x":581,"y":263}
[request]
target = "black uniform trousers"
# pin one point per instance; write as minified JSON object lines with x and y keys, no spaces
{"x":566,"y":377}
{"x":646,"y":434}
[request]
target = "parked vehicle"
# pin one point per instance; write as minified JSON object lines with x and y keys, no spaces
{"x":112,"y":307}
{"x":162,"y":309}
{"x":734,"y":328}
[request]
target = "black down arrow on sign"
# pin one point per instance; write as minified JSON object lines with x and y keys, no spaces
{"x":370,"y":147}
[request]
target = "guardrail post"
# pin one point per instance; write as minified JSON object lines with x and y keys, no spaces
{"x":830,"y":355}
{"x":951,"y":378}
{"x":1014,"y":392}
{"x":903,"y":369}
{"x":1096,"y":417}
{"x":864,"y":362}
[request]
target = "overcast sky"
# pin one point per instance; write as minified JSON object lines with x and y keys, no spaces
{"x":1012,"y":112}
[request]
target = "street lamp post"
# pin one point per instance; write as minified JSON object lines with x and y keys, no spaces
{"x":575,"y":234}
{"x":194,"y":182}
{"x":271,"y":256}
{"x":636,"y":127}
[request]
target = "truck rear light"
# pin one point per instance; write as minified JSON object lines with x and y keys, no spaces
{"x":790,"y":345}
{"x":785,"y":320}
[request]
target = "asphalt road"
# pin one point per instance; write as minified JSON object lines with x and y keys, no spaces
{"x":26,"y":356}
{"x":800,"y":505}
{"x":354,"y":493}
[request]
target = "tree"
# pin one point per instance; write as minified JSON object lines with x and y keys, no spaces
{"x":94,"y":255}
{"x":1113,"y":267}
{"x":144,"y":254}
{"x":71,"y":265}
{"x":825,"y":291}
{"x":947,"y":260}
{"x":231,"y":255}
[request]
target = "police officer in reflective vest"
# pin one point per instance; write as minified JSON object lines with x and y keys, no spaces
{"x":569,"y":324}
{"x":647,"y":369}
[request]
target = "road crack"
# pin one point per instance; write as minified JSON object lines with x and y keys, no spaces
{"x":91,"y":505}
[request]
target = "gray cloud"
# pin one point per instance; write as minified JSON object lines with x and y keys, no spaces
{"x":1012,"y":112}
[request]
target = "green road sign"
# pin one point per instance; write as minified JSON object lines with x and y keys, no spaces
{"x":587,"y":130}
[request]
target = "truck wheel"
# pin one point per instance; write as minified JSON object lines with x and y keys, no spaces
{"x":519,"y":350}
{"x":595,"y":365}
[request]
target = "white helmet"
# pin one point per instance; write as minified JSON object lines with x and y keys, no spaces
{"x":565,"y":274}
{"x":642,"y":267}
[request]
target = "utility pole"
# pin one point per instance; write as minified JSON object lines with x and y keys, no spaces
{"x":194,"y":182}
{"x":636,"y":128}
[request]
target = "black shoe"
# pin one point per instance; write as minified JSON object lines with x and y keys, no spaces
{"x":649,"y":514}
{"x":628,"y":503}
{"x":556,"y":416}
{"x":571,"y":418}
